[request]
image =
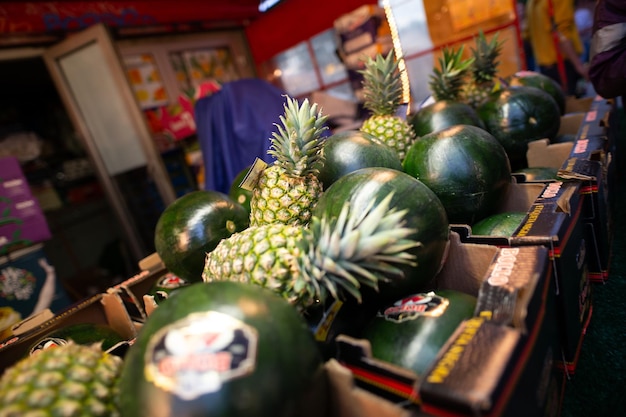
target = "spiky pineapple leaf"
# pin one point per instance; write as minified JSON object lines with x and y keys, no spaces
{"x":382,"y":86}
{"x":446,"y":81}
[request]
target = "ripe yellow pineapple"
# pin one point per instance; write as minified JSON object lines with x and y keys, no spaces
{"x":330,"y":257}
{"x":288,"y":189}
{"x":382,"y":92}
{"x":68,"y":380}
{"x":483,"y":80}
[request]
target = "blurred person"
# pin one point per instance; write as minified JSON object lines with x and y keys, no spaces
{"x":556,"y":42}
{"x":607,"y":67}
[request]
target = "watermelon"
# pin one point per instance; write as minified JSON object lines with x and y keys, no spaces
{"x":238,"y":194}
{"x":192,"y":226}
{"x":80,"y":333}
{"x":516,"y":116}
{"x":499,"y":224}
{"x":350,"y":150}
{"x":425,"y":214}
{"x":536,"y":174}
{"x":443,"y":114}
{"x":465,"y":166}
{"x":410,"y":331}
{"x":541,"y":81}
{"x":165,"y":285}
{"x":223,"y":349}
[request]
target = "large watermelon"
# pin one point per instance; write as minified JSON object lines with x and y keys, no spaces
{"x":516,"y":116}
{"x":410,"y":331}
{"x":541,"y":81}
{"x":192,"y":226}
{"x":425,"y":214}
{"x":350,"y":150}
{"x":466,"y":167}
{"x":223,"y":349}
{"x":443,"y":114}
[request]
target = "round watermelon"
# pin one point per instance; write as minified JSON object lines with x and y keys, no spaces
{"x":499,"y":224}
{"x":443,"y":114}
{"x":238,"y":194}
{"x":466,"y":167}
{"x":516,"y":116}
{"x":410,"y":331}
{"x":425,"y":214}
{"x":224,"y":349}
{"x":165,"y":285}
{"x":537,"y":174}
{"x":192,"y":226}
{"x":79,"y":333}
{"x":350,"y":150}
{"x":541,"y":81}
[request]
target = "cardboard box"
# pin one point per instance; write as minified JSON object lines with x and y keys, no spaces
{"x":99,"y":309}
{"x":554,"y":219}
{"x":503,"y":358}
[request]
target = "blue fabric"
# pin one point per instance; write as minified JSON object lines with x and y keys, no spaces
{"x":234,"y":126}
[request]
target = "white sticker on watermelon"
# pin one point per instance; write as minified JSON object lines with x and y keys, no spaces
{"x":196,"y":355}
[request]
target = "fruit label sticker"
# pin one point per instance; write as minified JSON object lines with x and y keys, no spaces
{"x":170,"y":281}
{"x":252,"y":177}
{"x":194,"y":356}
{"x":414,"y":306}
{"x":47,"y":343}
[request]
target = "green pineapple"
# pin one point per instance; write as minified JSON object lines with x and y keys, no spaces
{"x":288,"y":189}
{"x":382,"y":93}
{"x":447,"y":81}
{"x":68,"y":380}
{"x":330,"y":257}
{"x":483,"y":80}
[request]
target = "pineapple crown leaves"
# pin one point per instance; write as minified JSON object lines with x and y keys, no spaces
{"x":297,"y":144}
{"x":352,"y":250}
{"x":382,"y":87}
{"x":485,"y":65}
{"x":446,"y":82}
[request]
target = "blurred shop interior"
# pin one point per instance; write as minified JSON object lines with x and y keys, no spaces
{"x":98,"y":97}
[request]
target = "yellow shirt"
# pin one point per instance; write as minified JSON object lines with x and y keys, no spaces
{"x":540,"y":28}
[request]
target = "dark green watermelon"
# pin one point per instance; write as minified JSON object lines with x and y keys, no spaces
{"x":411,"y":331}
{"x":165,"y":285}
{"x":350,"y":150}
{"x":536,"y":174}
{"x":425,"y":214}
{"x":466,"y":167}
{"x":541,"y":81}
{"x":82,"y":334}
{"x":499,"y":224}
{"x":516,"y":116}
{"x":223,"y":349}
{"x":238,"y":194}
{"x":443,"y":114}
{"x":192,"y":226}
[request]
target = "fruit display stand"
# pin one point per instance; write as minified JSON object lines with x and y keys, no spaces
{"x":99,"y":309}
{"x":494,"y":361}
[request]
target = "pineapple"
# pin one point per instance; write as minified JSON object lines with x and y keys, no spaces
{"x":446,"y":82}
{"x":288,"y":189}
{"x":68,"y":380}
{"x":382,"y":92}
{"x":483,"y":80}
{"x":330,"y":257}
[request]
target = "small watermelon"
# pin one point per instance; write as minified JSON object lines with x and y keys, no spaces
{"x":81,"y":334}
{"x":499,"y":224}
{"x":223,"y":349}
{"x":465,"y":166}
{"x":350,"y":150}
{"x":410,"y":331}
{"x":165,"y":285}
{"x":192,"y":226}
{"x":238,"y":194}
{"x":516,"y":116}
{"x":443,"y":114}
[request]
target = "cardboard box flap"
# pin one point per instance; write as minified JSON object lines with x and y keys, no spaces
{"x":571,"y":123}
{"x":580,"y":169}
{"x":576,"y":105}
{"x":455,"y":382}
{"x":520,"y":197}
{"x":31,"y":322}
{"x":541,"y":153}
{"x":465,"y":265}
{"x":510,"y":283}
